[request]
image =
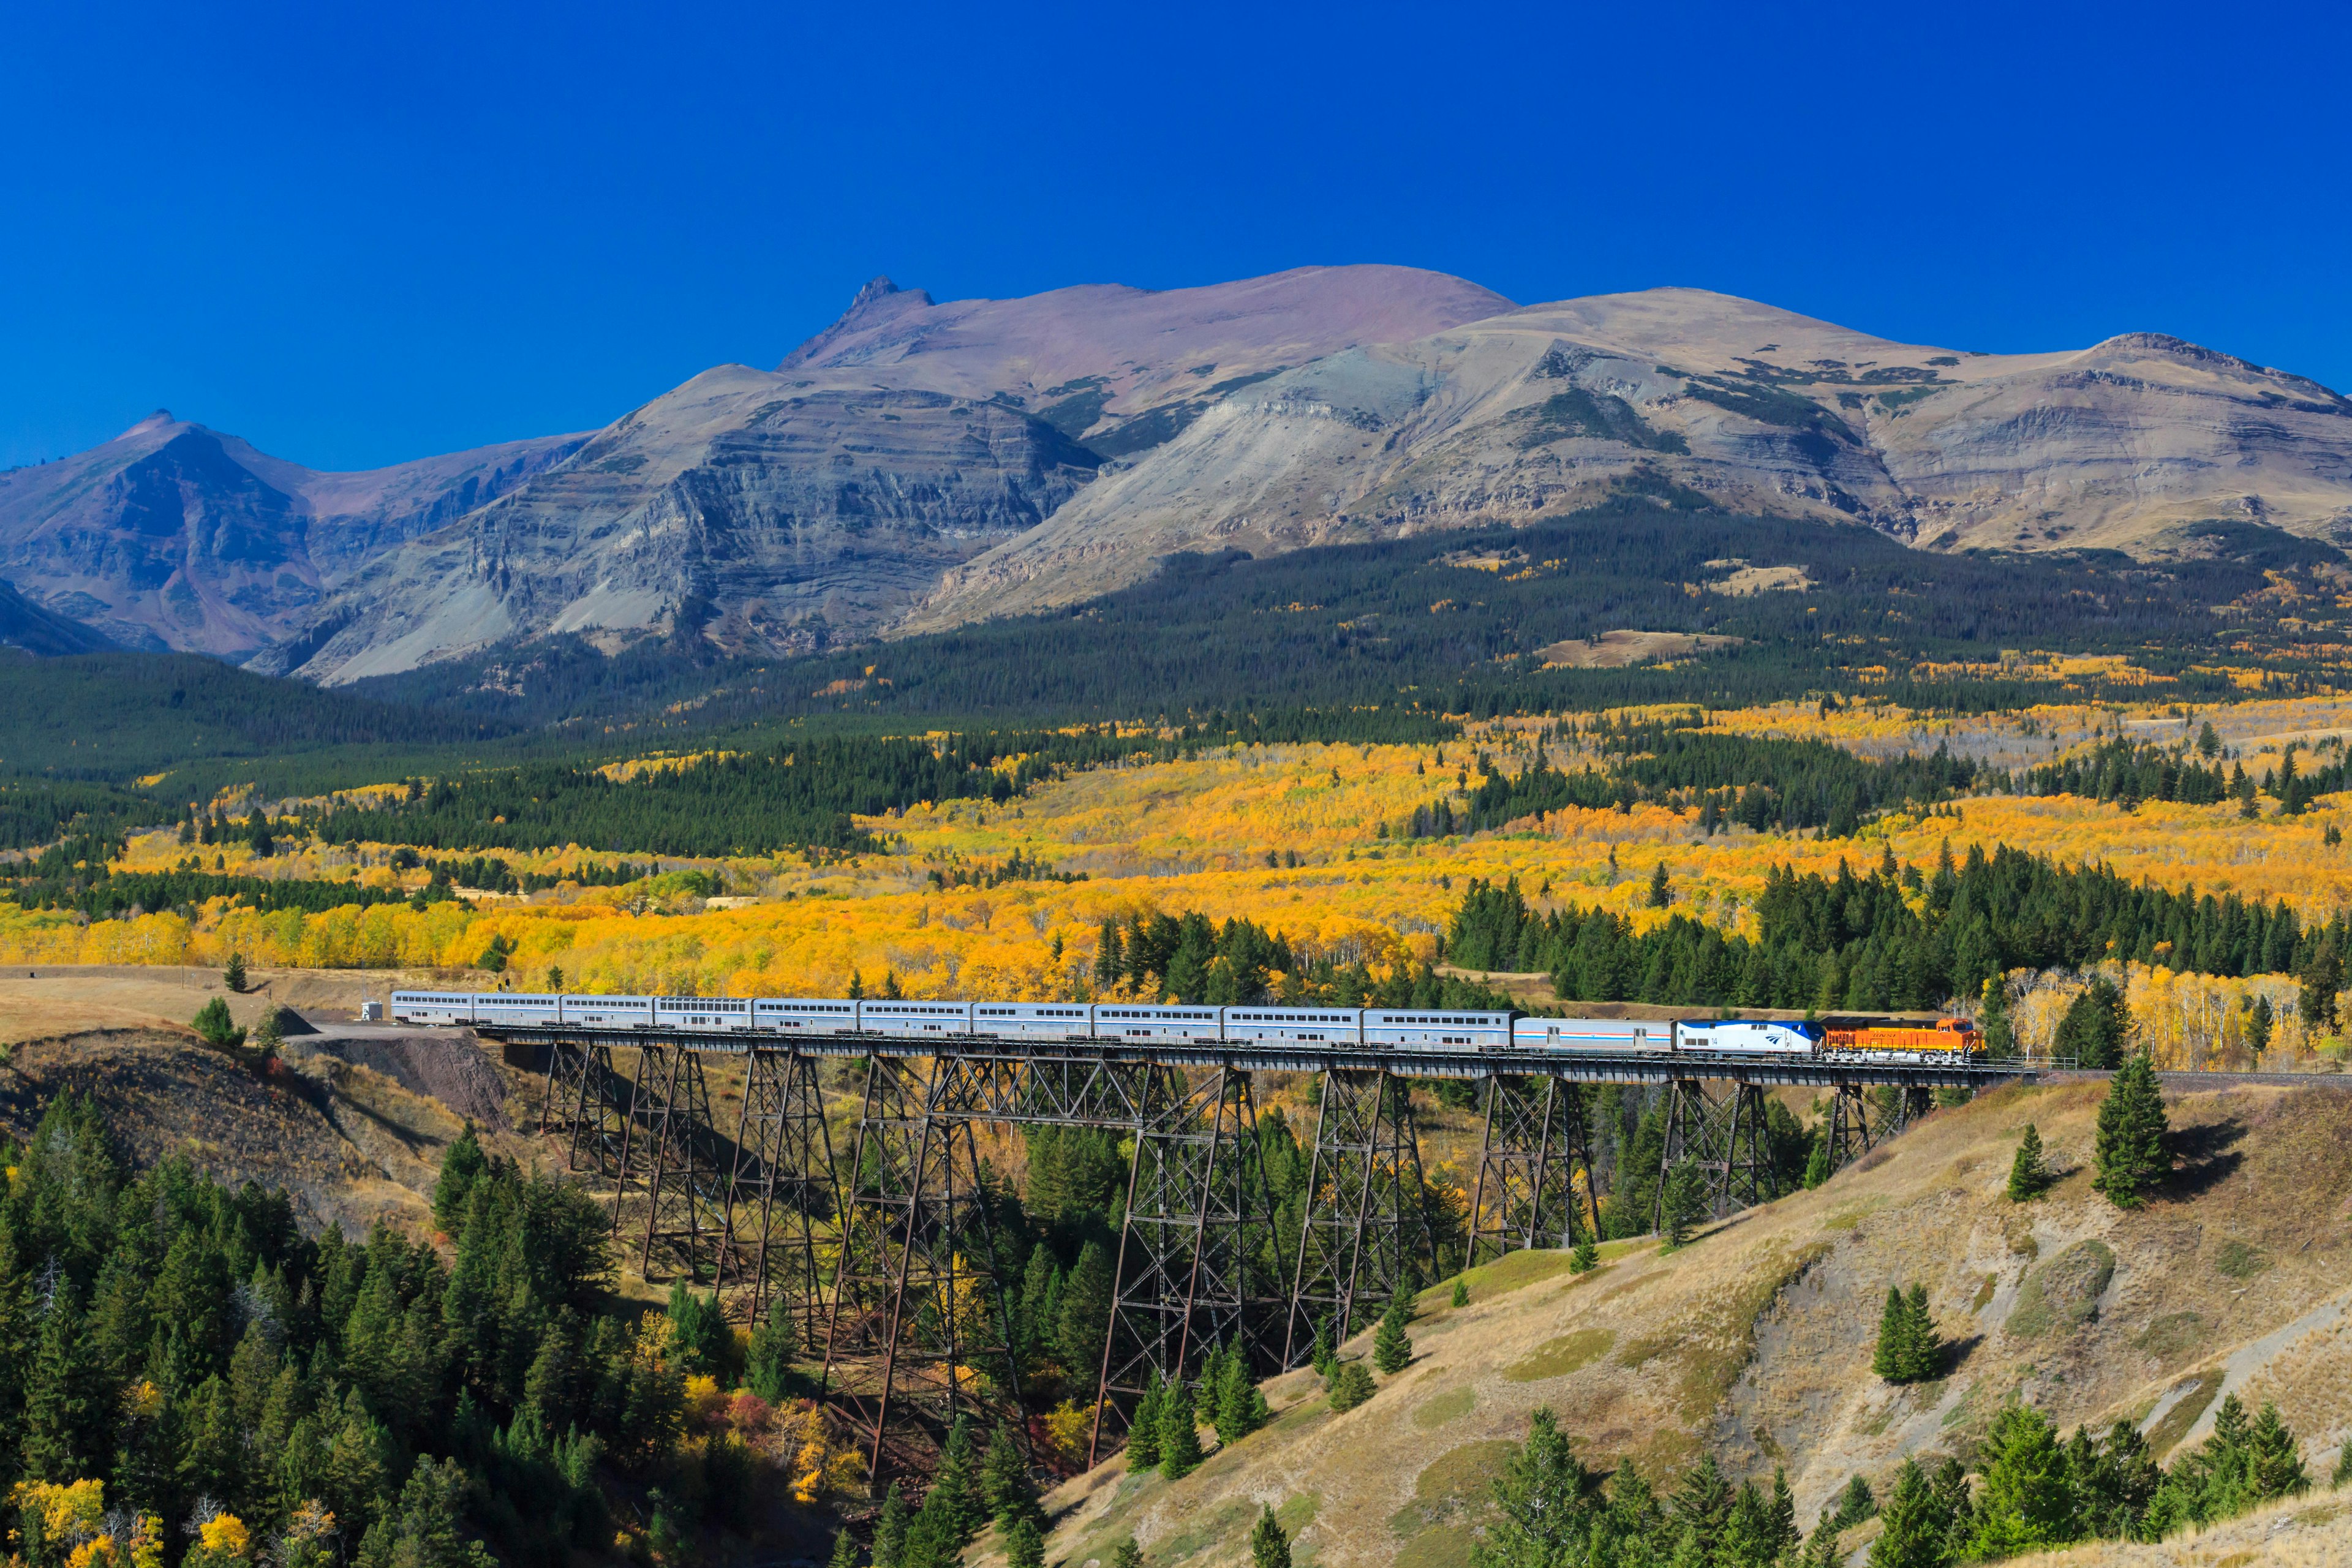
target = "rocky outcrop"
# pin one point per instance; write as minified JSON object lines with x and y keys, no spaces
{"x":174,"y":536}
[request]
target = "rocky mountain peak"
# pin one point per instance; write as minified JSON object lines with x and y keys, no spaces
{"x":159,"y":420}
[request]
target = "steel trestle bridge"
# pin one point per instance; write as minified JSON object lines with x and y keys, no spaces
{"x":882,"y":1253}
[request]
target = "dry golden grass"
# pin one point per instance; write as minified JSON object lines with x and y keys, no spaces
{"x":1755,"y":1341}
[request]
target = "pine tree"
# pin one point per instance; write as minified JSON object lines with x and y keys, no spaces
{"x":1661,"y":892}
{"x":1269,"y":1547}
{"x":1143,"y":1431}
{"x":1585,"y":1257}
{"x":1350,"y":1386}
{"x":1085,"y":1310}
{"x":462,"y":1164}
{"x":1817,"y":1161}
{"x":844,"y":1551}
{"x":2127,"y":1152}
{"x":1915,"y":1528}
{"x":1923,"y":1346}
{"x":1180,"y":1438}
{"x":1239,"y":1403}
{"x":2027,"y":1175}
{"x":2323,"y":977}
{"x":1024,"y":1544}
{"x":1786,"y":1536}
{"x":1684,"y":1202}
{"x":1994,"y":1024}
{"x":2025,"y":1503}
{"x":1391,"y":1346}
{"x":890,"y":1529}
{"x":1461,"y":1291}
{"x":768,"y":1364}
{"x":1702,"y":1503}
{"x":233,"y":972}
{"x":1892,"y":1358}
{"x":2272,"y":1464}
{"x":2341,"y":1475}
{"x":1324,"y":1359}
{"x":67,"y":1422}
{"x":2259,"y":1022}
{"x":1005,"y":1488}
{"x":1127,"y":1554}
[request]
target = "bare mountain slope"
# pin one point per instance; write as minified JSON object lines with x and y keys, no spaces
{"x":918,"y":465}
{"x":174,"y":536}
{"x":1759,"y":408}
{"x":786,"y":509}
{"x":1755,"y":1342}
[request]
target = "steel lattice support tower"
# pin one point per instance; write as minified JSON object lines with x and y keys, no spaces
{"x":783,"y":1197}
{"x":1848,"y":1126}
{"x":918,"y":1331}
{"x":1363,"y":1222}
{"x":1195,"y":1265}
{"x":686,"y":1177}
{"x":1724,"y":1138}
{"x":587,"y":1106}
{"x":1534,"y":1142}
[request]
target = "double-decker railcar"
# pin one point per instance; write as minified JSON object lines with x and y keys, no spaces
{"x":1156,"y":1024}
{"x":433,"y":1008}
{"x":714,"y":1015}
{"x":914,"y":1018}
{"x":1033,"y":1020}
{"x":518,"y":1009}
{"x":1431,"y":1030}
{"x":609,"y":1012}
{"x":1296,"y":1025}
{"x":1616,"y":1036}
{"x":1748,"y":1037}
{"x":804,"y":1016}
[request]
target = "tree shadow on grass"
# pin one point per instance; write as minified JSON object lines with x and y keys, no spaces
{"x":2203,"y":1157}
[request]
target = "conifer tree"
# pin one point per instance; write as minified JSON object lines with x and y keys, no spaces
{"x":1180,"y":1437}
{"x":1923,"y":1346}
{"x":1585,"y":1256}
{"x":1702,"y":1503}
{"x":1325,"y":1357}
{"x":890,"y":1529}
{"x":1461,"y":1291}
{"x":1024,"y":1544}
{"x":1684,"y":1202}
{"x":1350,"y":1386}
{"x":1391,"y":1346}
{"x":1994,"y":1024}
{"x":1817,"y":1161}
{"x":2025,"y":1503}
{"x":2127,"y":1152}
{"x":66,"y":1421}
{"x":768,"y":1363}
{"x":2027,"y":1175}
{"x":2273,"y":1467}
{"x":1085,"y":1309}
{"x":1005,"y":1488}
{"x":461,"y":1163}
{"x":233,"y":972}
{"x":1143,"y":1431}
{"x":1891,"y":1358}
{"x":1269,"y":1547}
{"x":1915,"y":1524}
{"x":844,"y":1551}
{"x":1127,"y":1554}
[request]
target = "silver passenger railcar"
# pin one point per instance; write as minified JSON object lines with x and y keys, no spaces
{"x":805,"y":1015}
{"x":1296,"y":1025}
{"x":1614,"y":1036}
{"x":1432,"y":1029}
{"x":715,"y":1014}
{"x":433,"y":1008}
{"x":1156,"y":1024}
{"x":1033,"y":1020}
{"x":915,"y":1018}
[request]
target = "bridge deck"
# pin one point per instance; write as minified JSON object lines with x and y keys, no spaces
{"x":1576,"y":1066}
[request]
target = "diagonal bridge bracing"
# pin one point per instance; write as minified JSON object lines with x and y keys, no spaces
{"x":887,"y":1265}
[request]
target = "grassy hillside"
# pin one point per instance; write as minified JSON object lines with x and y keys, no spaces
{"x":1755,"y":1341}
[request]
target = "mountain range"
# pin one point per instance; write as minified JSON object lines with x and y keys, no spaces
{"x":919,"y":465}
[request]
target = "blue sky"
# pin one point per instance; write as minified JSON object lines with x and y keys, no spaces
{"x":355,"y":234}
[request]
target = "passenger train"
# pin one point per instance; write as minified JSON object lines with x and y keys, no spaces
{"x":1360,"y":1028}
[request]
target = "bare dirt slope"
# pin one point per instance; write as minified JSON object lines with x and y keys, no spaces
{"x":352,"y":1128}
{"x":1755,"y":1341}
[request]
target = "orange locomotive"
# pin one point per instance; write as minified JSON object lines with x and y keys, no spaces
{"x":1945,"y":1040}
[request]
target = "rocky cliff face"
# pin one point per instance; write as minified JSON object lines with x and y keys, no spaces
{"x":174,"y":536}
{"x":918,"y":465}
{"x":784,"y":511}
{"x":1755,"y":408}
